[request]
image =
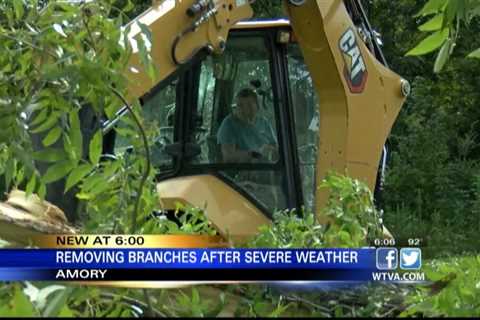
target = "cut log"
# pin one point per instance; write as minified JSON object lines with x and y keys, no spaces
{"x":22,"y":218}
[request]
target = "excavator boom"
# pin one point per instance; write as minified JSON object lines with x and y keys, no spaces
{"x":180,"y":30}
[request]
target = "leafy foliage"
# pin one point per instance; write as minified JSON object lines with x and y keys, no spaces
{"x":62,"y":74}
{"x":446,"y":17}
{"x":50,"y":71}
{"x":455,"y":291}
{"x":268,"y":9}
{"x":430,"y":187}
{"x":17,"y":303}
{"x":353,"y":220}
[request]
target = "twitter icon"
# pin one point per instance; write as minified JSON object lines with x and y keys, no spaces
{"x":410,"y":258}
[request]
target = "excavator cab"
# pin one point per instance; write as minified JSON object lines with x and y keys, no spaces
{"x":188,"y":112}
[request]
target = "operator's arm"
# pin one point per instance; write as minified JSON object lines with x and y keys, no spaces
{"x":270,"y":148}
{"x":227,"y":138}
{"x":230,"y":153}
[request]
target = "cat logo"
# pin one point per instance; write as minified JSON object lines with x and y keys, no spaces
{"x":355,"y":71}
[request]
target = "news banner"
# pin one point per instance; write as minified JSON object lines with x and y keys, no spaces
{"x":159,"y":258}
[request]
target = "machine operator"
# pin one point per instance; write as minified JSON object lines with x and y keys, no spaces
{"x":244,"y":136}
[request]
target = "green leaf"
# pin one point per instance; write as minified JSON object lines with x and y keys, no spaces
{"x":42,"y":190}
{"x":66,"y":312}
{"x":462,"y":10}
{"x":473,"y":11}
{"x":91,"y":181}
{"x":76,"y":175}
{"x":75,"y":135}
{"x":451,"y":12}
{"x":143,"y":53}
{"x":144,"y":47}
{"x":40,"y":117}
{"x":56,"y":304}
{"x":50,"y":155}
{"x":52,"y":136}
{"x":128,"y":7}
{"x":443,"y":55}
{"x":95,"y":148}
{"x":102,"y":186}
{"x":126,"y":132}
{"x":195,"y":296}
{"x":83,"y":196}
{"x":111,"y":109}
{"x":20,"y":176}
{"x":21,"y":305}
{"x":433,"y":24}
{"x":430,"y":43}
{"x":474,"y":54}
{"x":22,"y":157}
{"x":152,"y":71}
{"x":18,"y":5}
{"x":344,"y":237}
{"x":9,"y":171}
{"x":126,"y":41}
{"x":432,"y":6}
{"x":49,"y":123}
{"x":261,"y":308}
{"x":68,"y":148}
{"x":338,"y":311}
{"x":31,"y":184}
{"x":145,"y":31}
{"x":57,"y":171}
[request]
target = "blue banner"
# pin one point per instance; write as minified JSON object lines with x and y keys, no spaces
{"x":189,"y":258}
{"x":212,"y":264}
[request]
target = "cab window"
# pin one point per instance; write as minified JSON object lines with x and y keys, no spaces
{"x":159,"y":118}
{"x":235,"y":121}
{"x":307,"y":122}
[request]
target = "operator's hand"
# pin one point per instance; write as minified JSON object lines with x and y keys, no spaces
{"x":269,"y":152}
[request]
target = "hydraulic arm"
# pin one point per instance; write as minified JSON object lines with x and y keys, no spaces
{"x":181,"y":30}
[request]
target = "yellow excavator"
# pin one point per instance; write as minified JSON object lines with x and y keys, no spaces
{"x":321,"y":85}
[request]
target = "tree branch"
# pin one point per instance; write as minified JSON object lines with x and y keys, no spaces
{"x":31,"y":45}
{"x":85,"y":23}
{"x":133,"y":226}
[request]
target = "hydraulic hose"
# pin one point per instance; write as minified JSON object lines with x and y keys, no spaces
{"x":192,"y":28}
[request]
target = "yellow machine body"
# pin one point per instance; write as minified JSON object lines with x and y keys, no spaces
{"x":359,"y":97}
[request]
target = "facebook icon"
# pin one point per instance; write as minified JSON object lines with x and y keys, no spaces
{"x":387,"y":258}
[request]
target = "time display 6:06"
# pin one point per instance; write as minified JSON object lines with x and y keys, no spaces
{"x":384,"y":242}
